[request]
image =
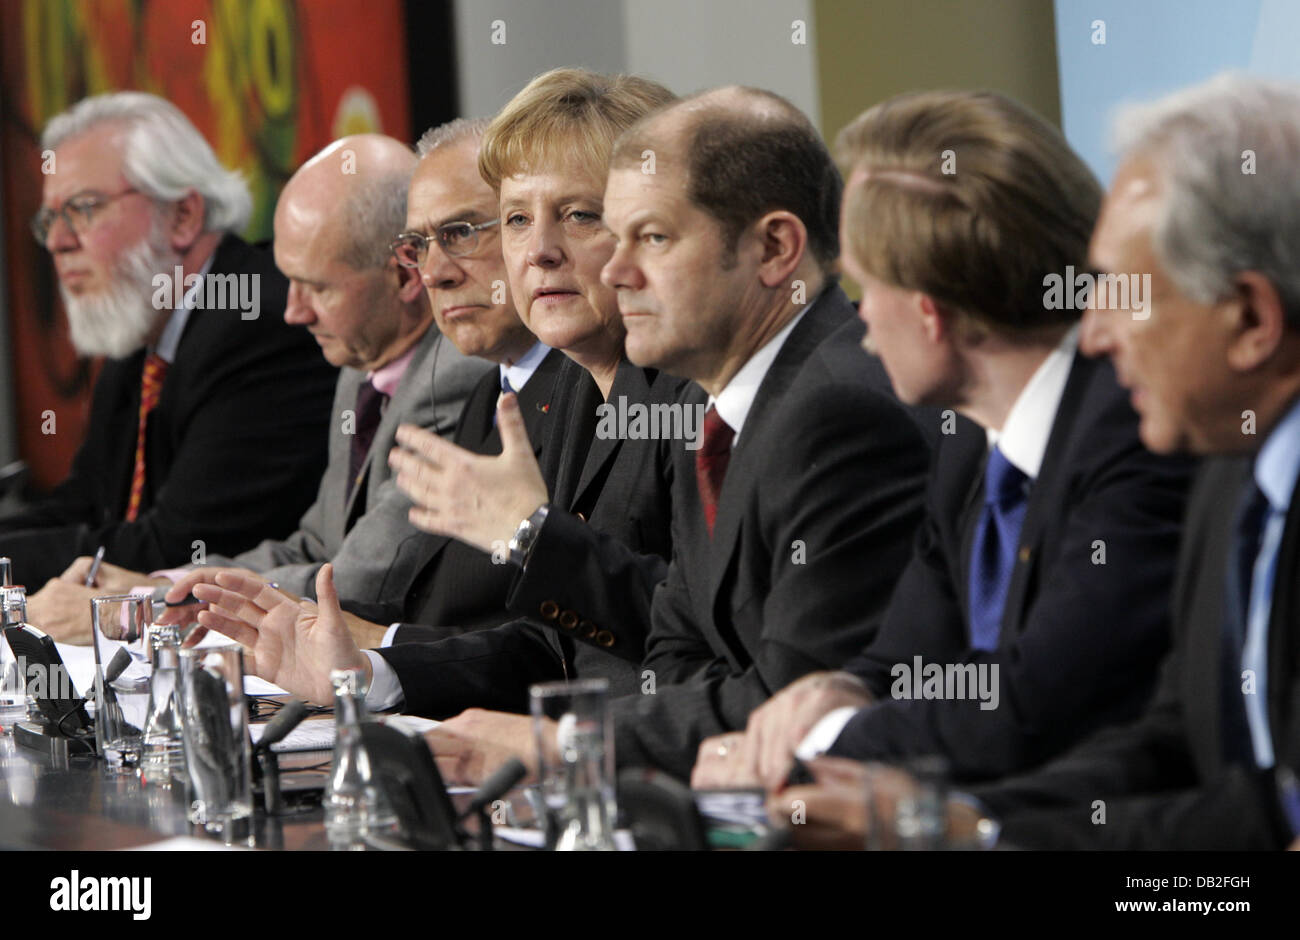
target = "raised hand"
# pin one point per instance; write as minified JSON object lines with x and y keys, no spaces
{"x":291,"y":642}
{"x":479,"y":500}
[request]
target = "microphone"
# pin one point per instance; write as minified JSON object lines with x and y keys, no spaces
{"x":496,"y":786}
{"x":277,"y":729}
{"x":117,"y":665}
{"x":286,"y":719}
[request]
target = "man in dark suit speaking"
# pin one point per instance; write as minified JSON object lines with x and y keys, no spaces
{"x":207,"y":427}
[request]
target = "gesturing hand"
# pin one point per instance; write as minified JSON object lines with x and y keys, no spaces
{"x":479,"y":500}
{"x":293,"y":643}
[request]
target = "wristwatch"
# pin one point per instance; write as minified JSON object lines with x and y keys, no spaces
{"x":521,"y":546}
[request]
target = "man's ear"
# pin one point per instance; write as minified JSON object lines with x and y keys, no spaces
{"x":1256,"y":321}
{"x":935,"y":319}
{"x":784,"y":240}
{"x":409,"y":284}
{"x":186,"y":223}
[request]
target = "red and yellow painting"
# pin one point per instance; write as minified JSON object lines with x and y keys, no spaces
{"x":267,"y":81}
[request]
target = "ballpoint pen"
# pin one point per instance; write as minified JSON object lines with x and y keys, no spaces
{"x":93,"y":573}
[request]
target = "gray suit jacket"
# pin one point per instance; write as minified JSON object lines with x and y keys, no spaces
{"x":361,"y":534}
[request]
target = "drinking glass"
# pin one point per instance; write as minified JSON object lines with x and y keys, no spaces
{"x":575,"y":763}
{"x":122,"y":701}
{"x":215,"y":731}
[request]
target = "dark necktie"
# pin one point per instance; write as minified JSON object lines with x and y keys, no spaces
{"x":1251,"y":512}
{"x":711,"y":463}
{"x":506,"y":388}
{"x":369,"y":410}
{"x":151,"y":380}
{"x":993,"y":554}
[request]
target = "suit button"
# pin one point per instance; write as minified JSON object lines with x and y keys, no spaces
{"x":568,"y":620}
{"x":1025,"y":553}
{"x":581,"y":517}
{"x":605,"y":638}
{"x":550,"y":610}
{"x":586,"y":629}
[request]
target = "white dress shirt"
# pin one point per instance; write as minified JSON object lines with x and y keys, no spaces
{"x":1023,"y":441}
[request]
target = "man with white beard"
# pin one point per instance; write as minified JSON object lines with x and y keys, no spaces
{"x":207,"y":428}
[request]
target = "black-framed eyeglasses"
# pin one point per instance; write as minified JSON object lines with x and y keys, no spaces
{"x":458,"y":239}
{"x":79,"y":213}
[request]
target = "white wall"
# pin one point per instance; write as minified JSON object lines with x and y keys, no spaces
{"x":686,"y":44}
{"x":539,"y":35}
{"x":690,"y":45}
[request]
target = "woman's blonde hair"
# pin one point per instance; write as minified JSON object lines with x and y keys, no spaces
{"x":571,"y":112}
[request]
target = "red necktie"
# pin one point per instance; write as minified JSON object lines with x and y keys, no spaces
{"x":151,"y":380}
{"x":711,"y":463}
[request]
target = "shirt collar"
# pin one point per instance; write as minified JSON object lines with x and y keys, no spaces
{"x":735,"y":400}
{"x":1278,"y":463}
{"x":520,"y":372}
{"x":386,"y":378}
{"x":170,"y":338}
{"x":1024,"y":435}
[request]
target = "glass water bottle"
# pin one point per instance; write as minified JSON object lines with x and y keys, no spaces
{"x":355,"y":803}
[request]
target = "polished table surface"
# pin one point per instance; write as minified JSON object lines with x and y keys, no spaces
{"x":78,"y":803}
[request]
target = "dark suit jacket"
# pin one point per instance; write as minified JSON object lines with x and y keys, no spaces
{"x":1164,"y":779}
{"x":438,"y":580}
{"x":1080,"y":641}
{"x":235,"y":446}
{"x":621,"y":488}
{"x":815,"y":521}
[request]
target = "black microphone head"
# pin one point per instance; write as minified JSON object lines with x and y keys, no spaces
{"x":117,"y":665}
{"x":286,"y":719}
{"x":497,"y":785}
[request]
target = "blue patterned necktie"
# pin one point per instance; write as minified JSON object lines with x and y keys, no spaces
{"x":993,"y":554}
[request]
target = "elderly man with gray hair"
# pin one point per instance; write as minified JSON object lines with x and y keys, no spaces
{"x":207,"y":425}
{"x":372,"y":317}
{"x":1206,"y":204}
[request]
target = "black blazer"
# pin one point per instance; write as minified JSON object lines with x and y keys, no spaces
{"x":235,"y":446}
{"x":621,"y":488}
{"x":445,"y":582}
{"x":815,"y":521}
{"x":1164,"y":779}
{"x":1082,"y":634}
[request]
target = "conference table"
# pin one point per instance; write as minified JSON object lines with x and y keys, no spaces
{"x":77,"y":803}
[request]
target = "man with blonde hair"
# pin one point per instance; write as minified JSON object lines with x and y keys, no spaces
{"x":1034,"y":609}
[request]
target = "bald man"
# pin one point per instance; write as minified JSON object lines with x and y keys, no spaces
{"x":372,"y":317}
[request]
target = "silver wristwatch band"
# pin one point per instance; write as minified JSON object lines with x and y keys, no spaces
{"x":521,"y":546}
